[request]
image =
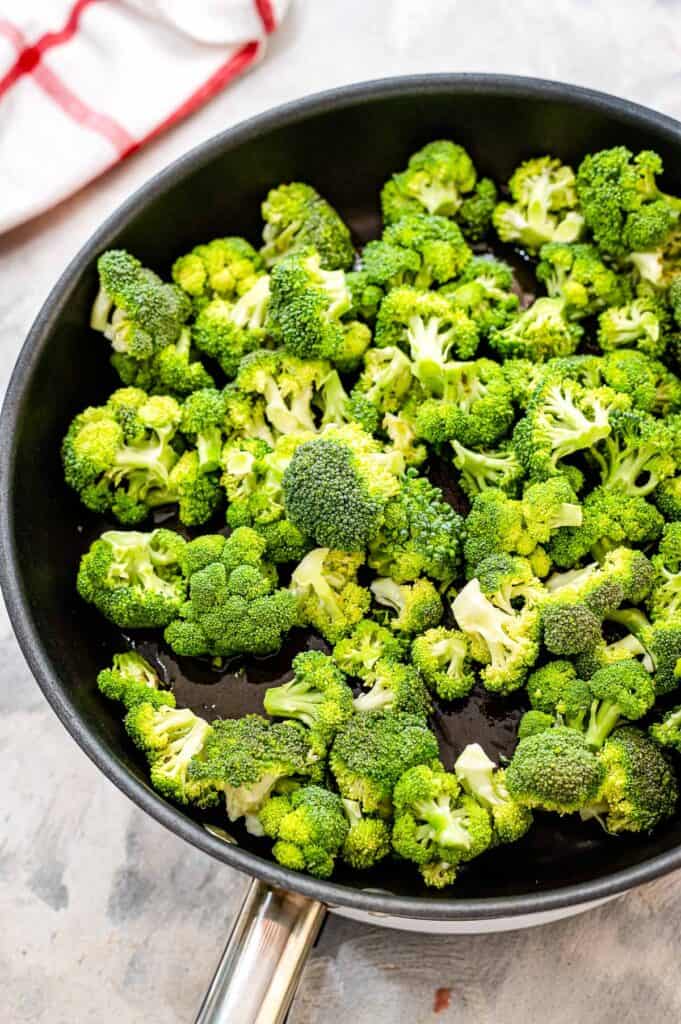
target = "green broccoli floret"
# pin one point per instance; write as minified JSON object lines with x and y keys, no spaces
{"x":369,"y":643}
{"x":227,"y":267}
{"x":400,"y":430}
{"x":661,"y":642}
{"x":549,"y":507}
{"x":435,"y":823}
{"x":283,"y":541}
{"x":119,"y":456}
{"x":329,"y":597}
{"x":437,"y":179}
{"x":171,"y":738}
{"x":253,"y":476}
{"x":132,"y":680}
{"x":173,"y":369}
{"x":544,"y":207}
{"x":638,"y":324}
{"x":310,"y":831}
{"x":667,"y":732}
{"x":610,"y":518}
{"x":134,"y":579}
{"x":474,"y":405}
{"x":420,"y":535}
{"x":233,"y":606}
{"x":664,"y":600}
{"x":554,"y":770}
{"x":298,"y":219}
{"x":506,"y":643}
{"x":555,"y":690}
{"x":640,"y":788}
{"x":637,"y":454}
{"x":509,"y":582}
{"x":203,"y":415}
{"x":198,"y":493}
{"x":382,"y":386}
{"x":482,"y":470}
{"x":475,"y":213}
{"x":484,"y":292}
{"x":394,"y":687}
{"x":428,"y":327}
{"x":540,"y":332}
{"x":417,"y":606}
{"x":367,"y":297}
{"x":287,"y":384}
{"x":482,"y":780}
{"x":336,"y":488}
{"x":524,"y":376}
{"x":604,"y":654}
{"x":372,"y":751}
{"x":246,"y":757}
{"x":667,"y":497}
{"x":442,"y":656}
{"x":245,"y":417}
{"x":563,"y":417}
{"x":533,"y":722}
{"x":650,"y":385}
{"x":620,"y":691}
{"x":438,"y":243}
{"x":305,"y":311}
{"x":577,"y":275}
{"x":368,"y":839}
{"x":227,"y":331}
{"x":318,"y":696}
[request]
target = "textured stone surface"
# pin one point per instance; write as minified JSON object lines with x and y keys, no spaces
{"x":108,"y":917}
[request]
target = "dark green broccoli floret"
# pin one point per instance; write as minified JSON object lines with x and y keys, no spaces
{"x":620,"y":691}
{"x":329,"y":598}
{"x":310,"y":828}
{"x":436,"y":823}
{"x":171,"y":738}
{"x":318,"y":696}
{"x":134,"y":579}
{"x":297,"y":218}
{"x":474,"y":405}
{"x":394,"y":687}
{"x":533,"y":722}
{"x":437,"y":179}
{"x":369,"y":643}
{"x":509,"y":582}
{"x":442,"y":656}
{"x":555,"y":690}
{"x":667,"y":497}
{"x":368,"y":839}
{"x":437,"y":242}
{"x":665,"y":597}
{"x":543,"y":208}
{"x":246,"y":757}
{"x":227,"y":267}
{"x":482,"y":780}
{"x":554,"y":770}
{"x":540,"y":332}
{"x":475,"y":213}
{"x":233,"y":606}
{"x":372,"y":751}
{"x":417,"y":606}
{"x":336,"y":487}
{"x":227,"y":331}
{"x":132,"y":680}
{"x":610,"y":518}
{"x":577,"y":275}
{"x":506,"y":643}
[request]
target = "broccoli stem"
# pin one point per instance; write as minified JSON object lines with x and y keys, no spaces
{"x":604,"y":717}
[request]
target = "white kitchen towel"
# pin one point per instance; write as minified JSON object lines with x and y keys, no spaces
{"x":84,"y":84}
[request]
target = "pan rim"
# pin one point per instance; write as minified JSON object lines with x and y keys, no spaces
{"x":331,"y":893}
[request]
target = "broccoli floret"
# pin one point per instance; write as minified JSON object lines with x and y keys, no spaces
{"x":420,"y":535}
{"x":305,"y":311}
{"x":474,"y":407}
{"x":555,"y":690}
{"x":428,"y":327}
{"x":577,"y":275}
{"x":329,"y":598}
{"x":482,"y":780}
{"x":650,"y":385}
{"x":483,"y":292}
{"x":661,"y":642}
{"x":524,"y":376}
{"x":665,"y":597}
{"x":246,"y":757}
{"x":494,"y":524}
{"x":637,"y":454}
{"x":372,"y":751}
{"x":543,"y":208}
{"x":369,"y":643}
{"x":298,"y":219}
{"x":287,"y":384}
{"x":198,"y":493}
{"x":640,"y":788}
{"x":620,"y":691}
{"x":132,"y":680}
{"x":437,"y":242}
{"x":382,"y":386}
{"x":253,"y":479}
{"x":171,"y":738}
{"x":336,"y":487}
{"x":554,"y":770}
{"x":540,"y":332}
{"x":482,"y":470}
{"x":563,"y":418}
{"x":417,"y":606}
{"x":400,"y":430}
{"x":509,"y":582}
{"x":604,"y":654}
{"x":368,"y":839}
{"x":227,"y":331}
{"x":442,"y":656}
{"x":310,"y":828}
{"x":533,"y":722}
{"x":233,"y":606}
{"x":134,"y":579}
{"x":227,"y":267}
{"x":318,"y":696}
{"x":549,"y":507}
{"x":667,"y":732}
{"x":437,"y":179}
{"x":638,"y":324}
{"x":475,"y":213}
{"x":506,"y":643}
{"x":395,"y":687}
{"x":435,"y":822}
{"x":119,"y":456}
{"x":283,"y":541}
{"x":610,"y":518}
{"x":667,"y":497}
{"x":203,"y":415}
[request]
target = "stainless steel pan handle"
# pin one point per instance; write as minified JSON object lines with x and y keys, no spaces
{"x":258,"y":973}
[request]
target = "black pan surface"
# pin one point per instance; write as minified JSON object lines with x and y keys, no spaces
{"x":346,"y":143}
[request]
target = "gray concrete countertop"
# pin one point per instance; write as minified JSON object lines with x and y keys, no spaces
{"x":108,"y":917}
